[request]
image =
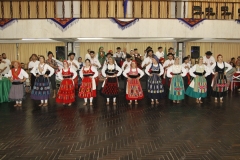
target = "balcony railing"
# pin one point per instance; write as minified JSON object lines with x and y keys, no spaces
{"x":41,"y":9}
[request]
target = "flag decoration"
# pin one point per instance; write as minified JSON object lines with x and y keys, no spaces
{"x":124,"y":23}
{"x":63,"y":23}
{"x":125,"y":2}
{"x":165,"y":53}
{"x":191,"y":22}
{"x":177,"y":53}
{"x":5,"y":22}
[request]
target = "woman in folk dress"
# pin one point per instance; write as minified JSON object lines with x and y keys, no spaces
{"x":198,"y":87}
{"x":154,"y":85}
{"x":88,"y":86}
{"x":17,"y":76}
{"x":219,"y":82}
{"x":66,"y":92}
{"x":41,"y":89}
{"x":110,"y":87}
{"x":134,"y":88}
{"x":176,"y":72}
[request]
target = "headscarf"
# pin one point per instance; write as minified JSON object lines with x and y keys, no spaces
{"x":156,"y":58}
{"x":15,"y":73}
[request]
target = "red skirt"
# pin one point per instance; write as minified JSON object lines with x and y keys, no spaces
{"x":134,"y":90}
{"x":86,"y":90}
{"x":110,"y":88}
{"x":66,"y":92}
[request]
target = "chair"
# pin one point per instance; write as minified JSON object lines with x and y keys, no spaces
{"x":209,"y":12}
{"x":197,"y":10}
{"x":224,"y":10}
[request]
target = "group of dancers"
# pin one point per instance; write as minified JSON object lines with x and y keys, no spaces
{"x":165,"y":78}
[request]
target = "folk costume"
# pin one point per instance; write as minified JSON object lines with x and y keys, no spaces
{"x":88,"y":86}
{"x":176,"y":91}
{"x":134,"y":89}
{"x":66,"y":92}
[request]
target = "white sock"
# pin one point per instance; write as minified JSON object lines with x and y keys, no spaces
{"x":41,"y":101}
{"x":107,"y":99}
{"x":114,"y":99}
{"x":17,"y":102}
{"x":200,"y":98}
{"x":20,"y":102}
{"x":215,"y":98}
{"x":221,"y":98}
{"x":46,"y":100}
{"x":152,"y":100}
{"x":85,"y":100}
{"x":91,"y":99}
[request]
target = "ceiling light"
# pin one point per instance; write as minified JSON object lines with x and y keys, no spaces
{"x":89,"y":38}
{"x":36,"y":39}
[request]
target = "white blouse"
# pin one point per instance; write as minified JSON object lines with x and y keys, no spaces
{"x":146,"y":61}
{"x":22,"y":74}
{"x":167,"y":62}
{"x":126,"y":63}
{"x":176,"y":69}
{"x":86,"y":69}
{"x":127,"y":70}
{"x":32,"y":64}
{"x":186,"y":65}
{"x":220,"y":65}
{"x":71,"y":64}
{"x":60,"y":76}
{"x":45,"y":67}
{"x":111,"y":66}
{"x":155,"y":65}
{"x":202,"y":67}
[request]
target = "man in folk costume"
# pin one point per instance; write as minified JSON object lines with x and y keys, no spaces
{"x":119,"y":56}
{"x":209,"y":60}
{"x":3,"y":66}
{"x":17,"y":76}
{"x":73,"y":63}
{"x":160,"y":53}
{"x":187,"y":78}
{"x":168,"y":63}
{"x":95,"y":64}
{"x":134,"y":88}
{"x":219,"y":82}
{"x":137,"y":57}
{"x":126,"y":65}
{"x":66,"y":92}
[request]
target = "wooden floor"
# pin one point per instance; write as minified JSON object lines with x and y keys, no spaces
{"x":186,"y":131}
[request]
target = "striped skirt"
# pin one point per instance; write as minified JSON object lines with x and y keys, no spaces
{"x":41,"y":88}
{"x":176,"y":91}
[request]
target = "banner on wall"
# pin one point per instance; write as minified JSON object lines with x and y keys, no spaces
{"x":190,"y":22}
{"x":5,"y":22}
{"x":125,"y":23}
{"x":63,"y":23}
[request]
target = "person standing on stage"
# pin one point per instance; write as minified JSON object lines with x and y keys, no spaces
{"x":17,"y":76}
{"x":101,"y":56}
{"x":41,"y":89}
{"x":66,"y":92}
{"x":52,"y":63}
{"x":160,"y":53}
{"x":168,"y":63}
{"x":110,"y":87}
{"x":88,"y":87}
{"x":187,"y":78}
{"x":147,"y":61}
{"x":209,"y":60}
{"x":80,"y":62}
{"x":119,"y":56}
{"x":176,"y":72}
{"x":219,"y":83}
{"x":154,"y":82}
{"x":74,"y":65}
{"x":34,"y":62}
{"x":134,"y":89}
{"x":198,"y":87}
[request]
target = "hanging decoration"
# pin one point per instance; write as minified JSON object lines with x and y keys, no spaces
{"x":5,"y":22}
{"x":124,"y":23}
{"x":190,"y":22}
{"x":63,"y":23}
{"x":125,"y":2}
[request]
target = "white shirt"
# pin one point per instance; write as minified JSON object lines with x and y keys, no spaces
{"x":176,"y":69}
{"x":209,"y":61}
{"x":159,"y":54}
{"x":60,"y":76}
{"x":2,"y":66}
{"x":221,"y":65}
{"x":95,"y":61}
{"x":126,"y":63}
{"x":7,"y":61}
{"x":111,"y":66}
{"x":45,"y":67}
{"x":127,"y":70}
{"x":73,"y":66}
{"x":155,"y":65}
{"x":86,"y":69}
{"x":167,"y":62}
{"x":119,"y":55}
{"x":32,"y":64}
{"x":186,"y":65}
{"x":147,"y":60}
{"x":203,"y":67}
{"x":87,"y":56}
{"x":22,"y":74}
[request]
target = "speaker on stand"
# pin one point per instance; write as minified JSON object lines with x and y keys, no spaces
{"x":60,"y":53}
{"x":195,"y":52}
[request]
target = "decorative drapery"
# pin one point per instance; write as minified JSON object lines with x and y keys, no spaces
{"x":63,"y":23}
{"x":124,"y":23}
{"x":5,"y":22}
{"x":190,"y":22}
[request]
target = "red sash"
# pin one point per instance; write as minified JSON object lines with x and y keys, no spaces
{"x":15,"y":73}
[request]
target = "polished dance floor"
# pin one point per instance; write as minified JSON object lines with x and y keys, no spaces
{"x":208,"y":131}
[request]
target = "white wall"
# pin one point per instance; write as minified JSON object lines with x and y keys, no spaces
{"x":106,"y":28}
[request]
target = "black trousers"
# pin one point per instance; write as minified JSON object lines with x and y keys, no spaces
{"x":33,"y":78}
{"x":52,"y":79}
{"x":185,"y":80}
{"x":209,"y":82}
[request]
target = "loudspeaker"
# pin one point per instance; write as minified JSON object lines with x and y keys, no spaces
{"x":195,"y":52}
{"x":60,"y":53}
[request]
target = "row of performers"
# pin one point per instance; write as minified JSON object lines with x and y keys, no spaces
{"x":110,"y":88}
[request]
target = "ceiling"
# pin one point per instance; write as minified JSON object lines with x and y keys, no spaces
{"x":119,"y":39}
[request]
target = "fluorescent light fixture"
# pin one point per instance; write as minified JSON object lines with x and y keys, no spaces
{"x":89,"y":38}
{"x":33,"y":39}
